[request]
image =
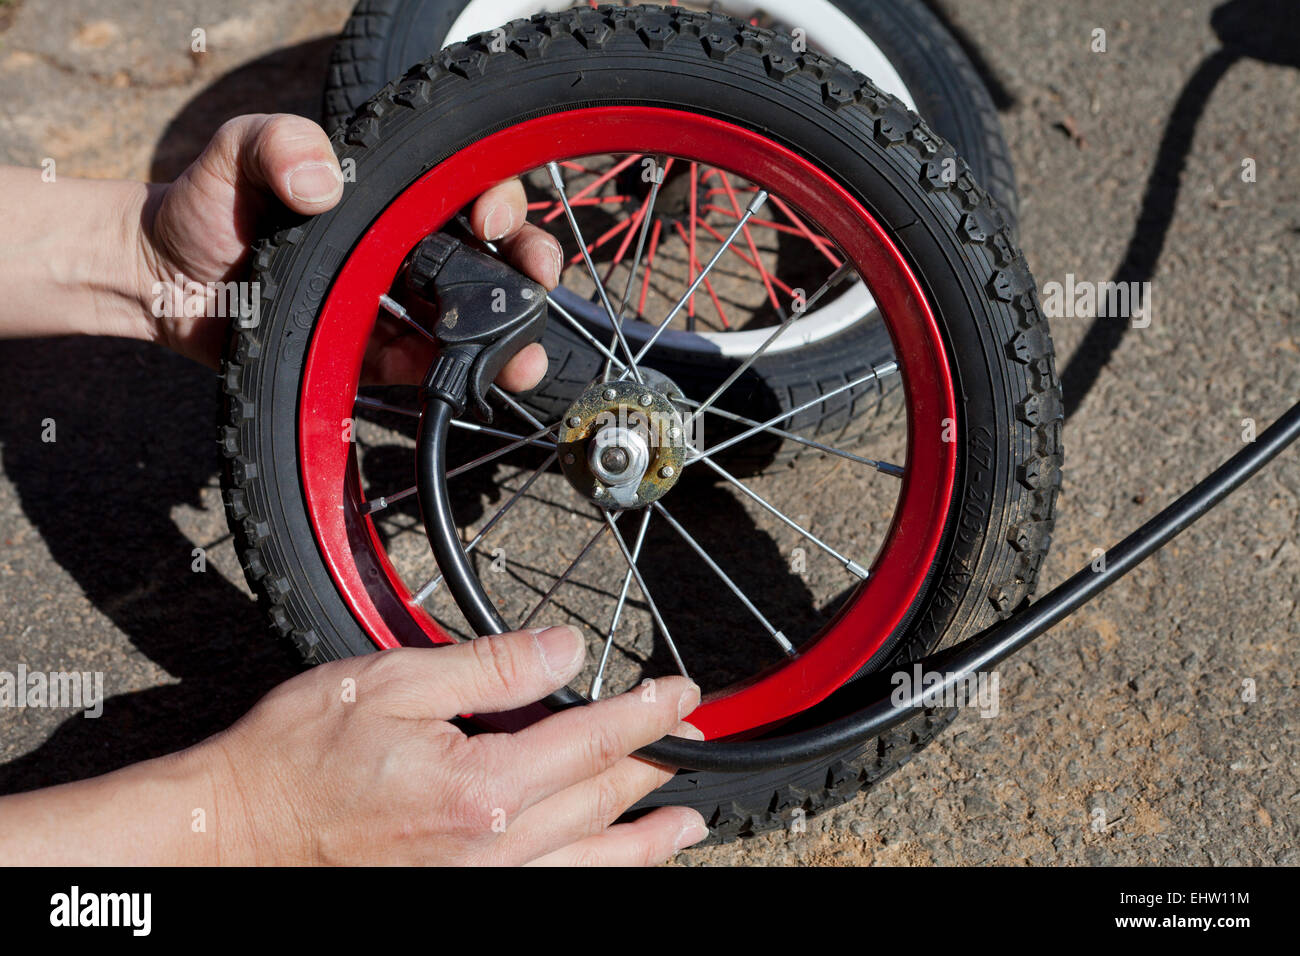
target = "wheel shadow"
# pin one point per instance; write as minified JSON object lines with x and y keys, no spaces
{"x":1265,"y":30}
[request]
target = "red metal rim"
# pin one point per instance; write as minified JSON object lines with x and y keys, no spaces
{"x":348,"y":542}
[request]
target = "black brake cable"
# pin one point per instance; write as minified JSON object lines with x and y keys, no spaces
{"x":959,"y":662}
{"x":478,"y":343}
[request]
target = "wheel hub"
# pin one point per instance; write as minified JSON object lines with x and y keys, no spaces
{"x":623,"y":443}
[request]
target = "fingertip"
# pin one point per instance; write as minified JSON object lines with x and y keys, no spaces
{"x":689,"y":731}
{"x":294,"y":157}
{"x":692,"y":830}
{"x":314,"y":186}
{"x":679,"y":693}
{"x":689,"y":700}
{"x":500,"y":211}
{"x":674,"y":828}
{"x":536,"y":253}
{"x":525,"y":370}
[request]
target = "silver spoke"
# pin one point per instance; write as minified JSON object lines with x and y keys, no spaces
{"x":645,"y":591}
{"x":431,"y":585}
{"x":498,"y":433}
{"x":377,"y":405}
{"x":591,"y":339}
{"x":849,"y":564}
{"x":503,"y":450}
{"x":522,"y":412}
{"x":884,"y":467}
{"x":887,"y":369}
{"x":379,"y":504}
{"x":397,"y":311}
{"x":573,"y":565}
{"x":381,"y":406}
{"x":647,"y":216}
{"x":375,"y":505}
{"x":641,"y":238}
{"x":558,"y":182}
{"x":755,"y":205}
{"x":839,"y":275}
{"x":598,"y":681}
{"x":789,"y":320}
{"x":775,"y":634}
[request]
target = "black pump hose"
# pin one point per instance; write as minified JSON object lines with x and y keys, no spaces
{"x":440,"y":527}
{"x":955,"y":664}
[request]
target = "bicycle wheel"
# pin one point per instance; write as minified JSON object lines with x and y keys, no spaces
{"x":774,"y":593}
{"x":906,"y":51}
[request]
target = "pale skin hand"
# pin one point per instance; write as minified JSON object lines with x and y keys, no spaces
{"x":87,"y":257}
{"x":355,"y":762}
{"x":307,"y":776}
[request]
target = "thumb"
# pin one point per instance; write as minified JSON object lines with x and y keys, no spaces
{"x":491,"y":674}
{"x":286,"y":154}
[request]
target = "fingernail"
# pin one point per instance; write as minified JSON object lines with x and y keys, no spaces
{"x":498,"y":222}
{"x":690,"y":835}
{"x":689,"y":700}
{"x":561,"y":647}
{"x":315,"y":182}
{"x":689,"y":731}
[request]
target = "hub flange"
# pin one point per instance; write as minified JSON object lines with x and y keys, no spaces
{"x":623,"y":443}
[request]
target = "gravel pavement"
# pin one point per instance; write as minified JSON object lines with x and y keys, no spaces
{"x":1124,"y":736}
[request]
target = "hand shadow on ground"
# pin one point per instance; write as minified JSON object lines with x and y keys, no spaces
{"x":135,"y":439}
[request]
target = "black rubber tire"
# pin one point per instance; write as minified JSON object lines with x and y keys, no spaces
{"x":999,"y":524}
{"x":384,"y":37}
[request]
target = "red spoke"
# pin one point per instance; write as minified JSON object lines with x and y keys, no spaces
{"x":627,"y":239}
{"x":695,"y":265}
{"x":595,"y":184}
{"x":821,"y":245}
{"x":756,"y":221}
{"x":740,"y":189}
{"x":753,"y":249}
{"x":597,"y":201}
{"x":602,"y":239}
{"x":704,"y":224}
{"x":649,"y":262}
{"x":817,"y":241}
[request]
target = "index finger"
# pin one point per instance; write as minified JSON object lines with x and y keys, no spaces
{"x":500,"y":211}
{"x":579,"y":743}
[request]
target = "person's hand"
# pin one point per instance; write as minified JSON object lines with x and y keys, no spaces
{"x":200,"y":227}
{"x":355,"y":762}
